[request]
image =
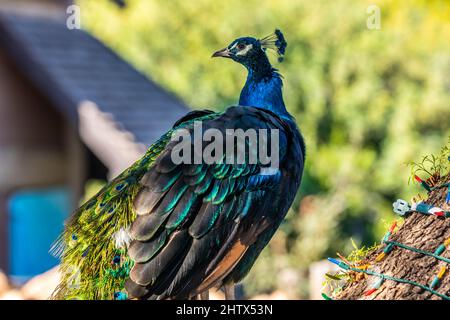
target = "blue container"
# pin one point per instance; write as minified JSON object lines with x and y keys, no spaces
{"x":36,"y":219}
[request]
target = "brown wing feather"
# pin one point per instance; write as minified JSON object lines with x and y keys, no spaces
{"x":229,"y":261}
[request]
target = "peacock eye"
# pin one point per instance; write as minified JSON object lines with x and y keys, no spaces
{"x":241,"y":46}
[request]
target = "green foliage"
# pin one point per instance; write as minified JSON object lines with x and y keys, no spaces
{"x":435,"y":166}
{"x":359,"y":253}
{"x":335,"y":281}
{"x":365,"y":100}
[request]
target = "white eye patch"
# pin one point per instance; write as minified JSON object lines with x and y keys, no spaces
{"x":244,"y":51}
{"x":233,"y":46}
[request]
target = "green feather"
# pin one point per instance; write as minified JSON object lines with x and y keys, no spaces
{"x":212,"y":194}
{"x":89,"y":268}
{"x":176,"y":219}
{"x":223,"y":192}
{"x":86,"y":271}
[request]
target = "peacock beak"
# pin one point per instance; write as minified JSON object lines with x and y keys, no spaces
{"x":224,"y":53}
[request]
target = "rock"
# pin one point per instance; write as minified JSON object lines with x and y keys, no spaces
{"x":41,"y":286}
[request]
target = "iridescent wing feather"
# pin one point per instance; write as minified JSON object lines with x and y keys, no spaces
{"x":195,"y":222}
{"x":93,"y":246}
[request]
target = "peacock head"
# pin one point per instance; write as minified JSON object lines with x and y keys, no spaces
{"x":251,"y":51}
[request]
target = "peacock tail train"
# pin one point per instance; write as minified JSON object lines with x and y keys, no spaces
{"x":93,"y":246}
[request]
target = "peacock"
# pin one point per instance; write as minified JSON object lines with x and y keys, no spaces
{"x":169,"y":230}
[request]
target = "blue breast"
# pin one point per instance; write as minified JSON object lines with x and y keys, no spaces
{"x":264,"y":93}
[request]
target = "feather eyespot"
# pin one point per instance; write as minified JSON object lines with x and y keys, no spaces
{"x":116,"y":259}
{"x":85,"y":252}
{"x":120,"y":295}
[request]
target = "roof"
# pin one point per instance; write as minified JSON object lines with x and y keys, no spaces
{"x":86,"y":80}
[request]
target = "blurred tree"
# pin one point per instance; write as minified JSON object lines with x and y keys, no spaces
{"x":366,"y":100}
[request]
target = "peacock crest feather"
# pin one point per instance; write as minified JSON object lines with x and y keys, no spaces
{"x":276,"y":42}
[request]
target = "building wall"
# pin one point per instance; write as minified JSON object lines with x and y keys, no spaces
{"x":38,"y":148}
{"x":31,"y":133}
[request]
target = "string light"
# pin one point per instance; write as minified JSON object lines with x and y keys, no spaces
{"x":326,"y":297}
{"x":380,"y":257}
{"x":386,"y":277}
{"x":375,"y":287}
{"x":438,"y":277}
{"x":339,"y":263}
{"x":370,"y":291}
{"x":423,"y":183}
{"x":364,"y":266}
{"x":427,"y":187}
{"x":442,"y":247}
{"x":390,"y":231}
{"x":402,"y":208}
{"x":447,"y":199}
{"x":388,"y":248}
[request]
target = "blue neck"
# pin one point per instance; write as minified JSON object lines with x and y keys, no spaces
{"x":263,"y":89}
